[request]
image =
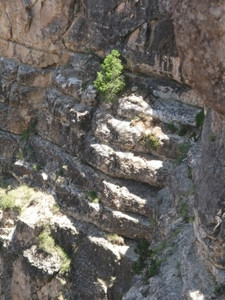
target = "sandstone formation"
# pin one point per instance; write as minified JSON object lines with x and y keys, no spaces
{"x":125,"y":192}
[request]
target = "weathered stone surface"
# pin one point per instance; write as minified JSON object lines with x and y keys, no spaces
{"x":200,"y":37}
{"x":97,"y":264}
{"x":200,"y":34}
{"x":27,"y":283}
{"x":22,"y":90}
{"x":136,"y":135}
{"x":106,"y":262}
{"x":64,"y":156}
{"x":9,"y":146}
{"x":125,"y":224}
{"x":120,"y":198}
{"x":12,"y":119}
{"x":170,"y":111}
{"x":210,"y":191}
{"x":31,"y":76}
{"x":162,"y":88}
{"x":25,"y":97}
{"x":43,"y":33}
{"x":8,"y":68}
{"x":126,"y":164}
{"x":68,"y":83}
{"x":182,"y":276}
{"x":66,"y":121}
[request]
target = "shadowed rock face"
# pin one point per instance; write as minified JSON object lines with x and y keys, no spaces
{"x":200,"y":36}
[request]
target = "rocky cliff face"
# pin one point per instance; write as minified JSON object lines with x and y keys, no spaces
{"x":98,"y":188}
{"x":45,"y":33}
{"x":203,"y":57}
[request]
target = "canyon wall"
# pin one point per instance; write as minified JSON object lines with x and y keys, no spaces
{"x":202,"y":54}
{"x":106,"y":177}
{"x":46,"y":33}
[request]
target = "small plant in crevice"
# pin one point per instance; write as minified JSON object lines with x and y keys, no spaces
{"x":29,"y":130}
{"x":84,"y":85}
{"x":199,"y":119}
{"x":172,"y":128}
{"x":37,"y":167}
{"x":194,"y":136}
{"x":183,"y":129}
{"x":20,"y":154}
{"x":219,"y":289}
{"x":153,"y":222}
{"x":153,"y":269}
{"x":150,"y":259}
{"x":93,"y":197}
{"x":48,"y":245}
{"x":184,"y":212}
{"x":183,"y":150}
{"x":152,"y":141}
{"x":110,"y":80}
{"x":25,"y":134}
{"x":7,"y":202}
{"x":62,"y":170}
{"x":144,"y":253}
{"x":15,"y":198}
{"x":115,"y":238}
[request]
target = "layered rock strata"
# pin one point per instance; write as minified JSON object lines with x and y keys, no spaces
{"x":105,"y":165}
{"x":110,"y":171}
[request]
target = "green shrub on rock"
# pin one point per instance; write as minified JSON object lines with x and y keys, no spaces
{"x":110,"y":80}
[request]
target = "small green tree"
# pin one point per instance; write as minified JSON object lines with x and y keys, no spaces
{"x":110,"y":80}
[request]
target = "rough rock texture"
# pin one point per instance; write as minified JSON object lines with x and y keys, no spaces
{"x":200,"y":35}
{"x":99,"y":163}
{"x":111,"y":172}
{"x":200,"y":38}
{"x":45,"y":33}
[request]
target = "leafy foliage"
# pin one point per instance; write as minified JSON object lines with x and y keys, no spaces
{"x":110,"y":80}
{"x":152,"y":141}
{"x":93,"y":197}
